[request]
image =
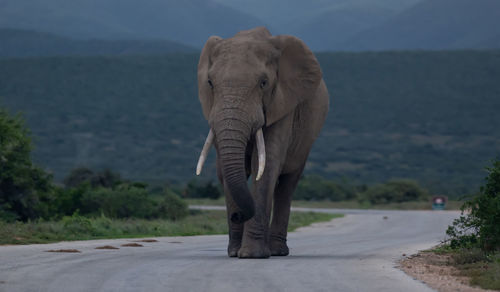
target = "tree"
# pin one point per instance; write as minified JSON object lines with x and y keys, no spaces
{"x":106,"y":179}
{"x":25,"y":189}
{"x":478,"y":226}
{"x":80,"y":175}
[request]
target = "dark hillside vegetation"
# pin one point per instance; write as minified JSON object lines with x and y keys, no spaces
{"x":432,"y":116}
{"x":429,"y":116}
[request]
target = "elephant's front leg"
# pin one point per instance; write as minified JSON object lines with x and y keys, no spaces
{"x":255,"y":243}
{"x":235,"y":229}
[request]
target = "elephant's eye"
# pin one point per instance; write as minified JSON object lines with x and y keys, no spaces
{"x":210,"y":84}
{"x":263,"y":83}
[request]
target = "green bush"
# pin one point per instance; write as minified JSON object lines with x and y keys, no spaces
{"x":67,"y":201}
{"x":77,"y":224}
{"x":316,"y":188}
{"x":394,"y":191}
{"x":479,"y":224}
{"x":469,"y":256}
{"x":105,"y":194}
{"x":25,"y":189}
{"x":196,"y":189}
{"x":122,"y":202}
{"x":172,"y":207}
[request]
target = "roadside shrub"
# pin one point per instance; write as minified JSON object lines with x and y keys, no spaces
{"x":172,"y":207}
{"x":102,"y":225}
{"x":196,"y":189}
{"x":125,"y":201}
{"x":394,"y":191}
{"x":122,"y":202}
{"x":77,"y":224}
{"x":316,"y":188}
{"x":112,"y":200}
{"x":479,"y":224}
{"x":469,"y":256}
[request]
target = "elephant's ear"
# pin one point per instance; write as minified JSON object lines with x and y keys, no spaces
{"x":204,"y":90}
{"x":299,"y":74}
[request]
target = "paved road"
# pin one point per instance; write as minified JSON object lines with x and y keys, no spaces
{"x":355,"y":253}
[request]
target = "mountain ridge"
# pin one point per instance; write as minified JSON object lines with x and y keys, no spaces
{"x":338,"y":25}
{"x":29,"y":43}
{"x":434,"y":25}
{"x":190,"y":22}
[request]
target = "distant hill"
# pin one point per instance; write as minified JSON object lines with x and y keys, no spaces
{"x":493,"y":42}
{"x":430,"y":116}
{"x":345,"y":25}
{"x":190,"y":21}
{"x":27,"y":43}
{"x":365,"y":25}
{"x":297,"y":13}
{"x":324,"y":25}
{"x":329,"y":29}
{"x":436,"y":25}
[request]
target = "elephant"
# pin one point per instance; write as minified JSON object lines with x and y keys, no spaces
{"x":265,"y":101}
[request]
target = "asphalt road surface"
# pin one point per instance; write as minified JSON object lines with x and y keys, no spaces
{"x":356,"y":253}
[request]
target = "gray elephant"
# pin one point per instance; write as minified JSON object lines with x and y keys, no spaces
{"x":255,"y":87}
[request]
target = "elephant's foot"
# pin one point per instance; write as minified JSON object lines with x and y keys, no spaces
{"x":278,"y":247}
{"x":233,"y":248}
{"x":255,"y":249}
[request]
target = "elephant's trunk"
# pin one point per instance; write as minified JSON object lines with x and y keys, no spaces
{"x":232,"y":134}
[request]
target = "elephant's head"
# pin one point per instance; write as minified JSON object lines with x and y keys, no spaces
{"x":245,"y":83}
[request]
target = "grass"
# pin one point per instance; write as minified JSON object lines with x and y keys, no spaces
{"x":482,"y":269}
{"x":422,"y":205}
{"x":82,"y":228}
{"x":485,"y":274}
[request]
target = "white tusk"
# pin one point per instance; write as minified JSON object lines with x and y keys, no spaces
{"x":261,"y":149}
{"x":204,"y":152}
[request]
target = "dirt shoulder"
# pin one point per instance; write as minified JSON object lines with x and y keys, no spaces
{"x":437,"y":272}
